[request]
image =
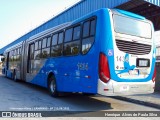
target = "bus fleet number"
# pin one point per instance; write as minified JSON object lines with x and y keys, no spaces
{"x":121,"y":59}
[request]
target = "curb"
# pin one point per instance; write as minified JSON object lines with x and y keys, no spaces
{"x":137,"y":101}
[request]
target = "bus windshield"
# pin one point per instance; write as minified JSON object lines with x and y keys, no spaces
{"x":130,"y":26}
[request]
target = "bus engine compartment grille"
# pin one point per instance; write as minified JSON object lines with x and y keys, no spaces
{"x":133,"y":48}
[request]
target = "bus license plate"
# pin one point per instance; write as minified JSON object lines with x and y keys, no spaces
{"x":143,"y":63}
{"x":133,"y":72}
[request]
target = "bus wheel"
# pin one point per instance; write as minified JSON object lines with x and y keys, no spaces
{"x":15,"y":77}
{"x":52,"y":86}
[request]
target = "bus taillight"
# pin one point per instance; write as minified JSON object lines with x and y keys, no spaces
{"x":104,"y":72}
{"x":154,"y":75}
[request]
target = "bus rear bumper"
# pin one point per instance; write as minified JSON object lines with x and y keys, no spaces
{"x":113,"y":88}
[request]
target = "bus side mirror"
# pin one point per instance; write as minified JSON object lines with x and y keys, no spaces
{"x":2,"y":59}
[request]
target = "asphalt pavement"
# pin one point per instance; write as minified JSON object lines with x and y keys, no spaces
{"x":151,"y":100}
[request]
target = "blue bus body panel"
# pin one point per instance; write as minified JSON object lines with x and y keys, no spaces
{"x":68,"y":77}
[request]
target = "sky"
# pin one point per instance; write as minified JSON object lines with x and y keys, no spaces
{"x":18,"y":17}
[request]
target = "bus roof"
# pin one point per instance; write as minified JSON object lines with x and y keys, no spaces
{"x":122,"y":12}
{"x":48,"y":31}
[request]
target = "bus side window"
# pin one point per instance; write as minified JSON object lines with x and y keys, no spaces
{"x":60,"y":38}
{"x":86,"y":29}
{"x":10,"y":56}
{"x":93,"y":28}
{"x":9,"y":60}
{"x":44,"y":43}
{"x":89,"y":28}
{"x":76,"y":33}
{"x":13,"y":58}
{"x":17,"y":51}
{"x":68,"y":35}
{"x":57,"y":47}
{"x":45,"y":49}
{"x":39,"y":44}
{"x":72,"y":46}
{"x":32,"y":51}
{"x":20,"y":51}
{"x":37,"y":53}
{"x":48,"y":41}
{"x":30,"y":60}
{"x":36,"y":45}
{"x":15,"y":55}
{"x":54,"y":39}
{"x":18,"y":55}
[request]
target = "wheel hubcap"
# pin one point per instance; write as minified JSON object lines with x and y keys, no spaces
{"x":15,"y":77}
{"x":52,"y":86}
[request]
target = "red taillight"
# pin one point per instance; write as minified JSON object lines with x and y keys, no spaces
{"x":154,"y":75}
{"x":104,"y":72}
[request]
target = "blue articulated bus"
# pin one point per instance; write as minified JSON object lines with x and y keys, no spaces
{"x":107,"y":52}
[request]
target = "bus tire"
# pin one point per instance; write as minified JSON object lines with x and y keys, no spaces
{"x":52,"y":86}
{"x":15,"y":77}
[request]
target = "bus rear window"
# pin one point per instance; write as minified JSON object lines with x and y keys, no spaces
{"x":131,"y":26}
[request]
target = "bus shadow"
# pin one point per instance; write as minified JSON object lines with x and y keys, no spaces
{"x":89,"y":103}
{"x":76,"y":102}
